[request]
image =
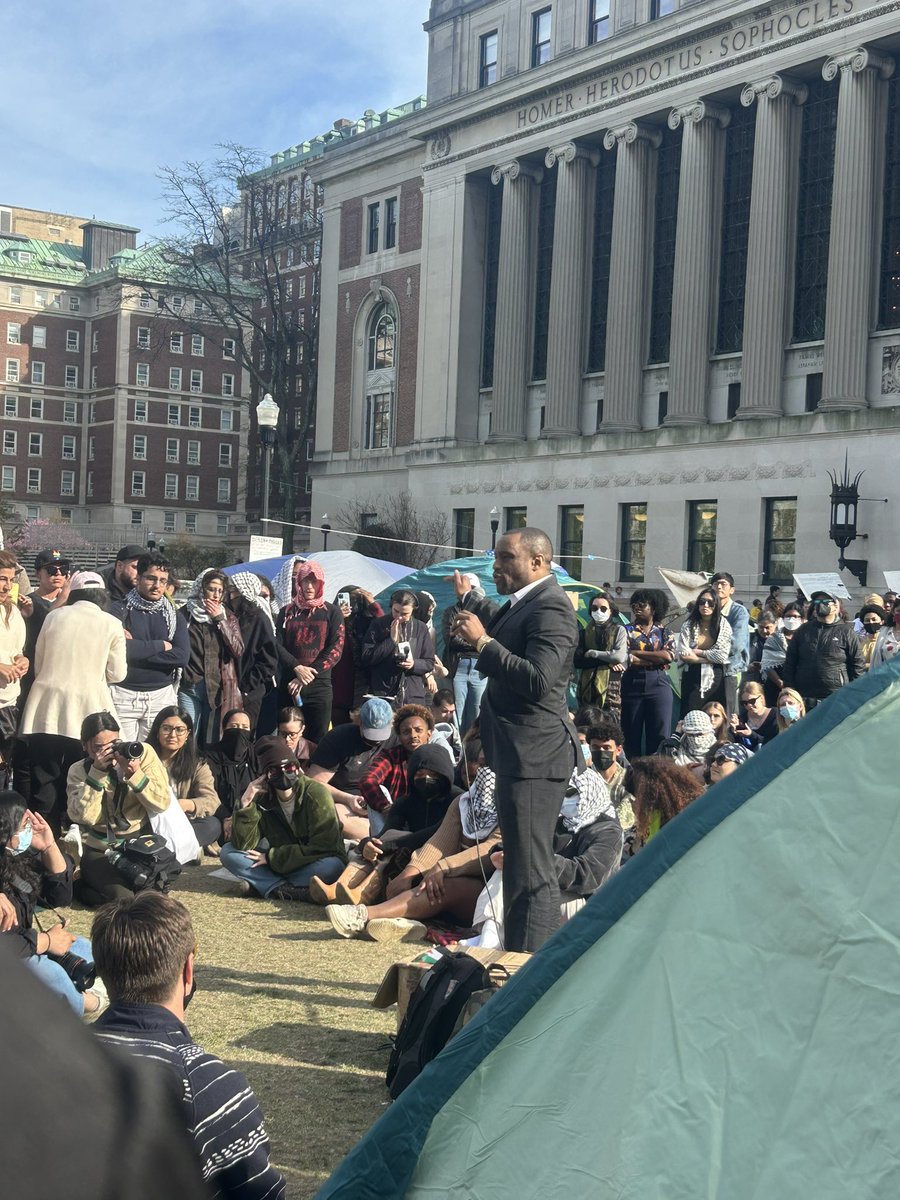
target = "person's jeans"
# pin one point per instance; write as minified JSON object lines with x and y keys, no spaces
{"x":193,"y":700}
{"x":137,"y":710}
{"x":468,"y":688}
{"x":264,"y":880}
{"x":53,"y":976}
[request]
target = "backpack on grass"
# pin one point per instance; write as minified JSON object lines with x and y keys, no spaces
{"x":434,"y":1009}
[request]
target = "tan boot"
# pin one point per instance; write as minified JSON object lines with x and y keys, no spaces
{"x":327,"y":893}
{"x":366,"y":891}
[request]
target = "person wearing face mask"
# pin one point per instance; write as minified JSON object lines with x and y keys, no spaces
{"x":887,"y":644}
{"x":35,"y":873}
{"x":789,"y":709}
{"x":775,"y":650}
{"x":232,"y":764}
{"x":697,"y":738}
{"x":145,"y":947}
{"x":285,"y":829}
{"x":824,"y":654}
{"x":606,"y":741}
{"x":601,"y":655}
{"x":868,"y":625}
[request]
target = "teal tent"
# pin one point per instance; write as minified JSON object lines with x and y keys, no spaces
{"x":719,"y":1021}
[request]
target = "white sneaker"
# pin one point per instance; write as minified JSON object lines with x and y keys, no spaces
{"x":71,"y":843}
{"x":396,"y":929}
{"x":347,"y":920}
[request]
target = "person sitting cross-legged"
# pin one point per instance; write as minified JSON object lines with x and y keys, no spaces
{"x":284,"y":830}
{"x":445,"y":875}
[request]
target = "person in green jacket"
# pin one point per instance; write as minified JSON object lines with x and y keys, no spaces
{"x":284,"y":830}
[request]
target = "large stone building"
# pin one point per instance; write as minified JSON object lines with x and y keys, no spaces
{"x":633,"y":276}
{"x":117,"y":414}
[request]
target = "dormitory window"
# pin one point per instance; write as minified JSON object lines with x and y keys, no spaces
{"x":487,"y":59}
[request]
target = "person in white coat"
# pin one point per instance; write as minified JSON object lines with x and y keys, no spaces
{"x":79,"y":653}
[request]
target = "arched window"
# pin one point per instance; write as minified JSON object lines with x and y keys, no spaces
{"x":380,"y":378}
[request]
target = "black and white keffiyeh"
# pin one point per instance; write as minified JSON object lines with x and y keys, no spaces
{"x":476,"y":806}
{"x":250,"y":588}
{"x":194,"y":603}
{"x":135,"y":602}
{"x":593,"y":801}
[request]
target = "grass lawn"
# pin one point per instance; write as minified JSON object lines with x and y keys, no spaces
{"x":286,"y":1001}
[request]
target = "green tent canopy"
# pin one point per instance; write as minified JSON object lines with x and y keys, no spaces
{"x":719,"y":1021}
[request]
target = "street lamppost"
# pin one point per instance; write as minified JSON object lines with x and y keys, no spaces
{"x":495,"y":525}
{"x":326,"y":529}
{"x":267,"y":412}
{"x":843,"y":529}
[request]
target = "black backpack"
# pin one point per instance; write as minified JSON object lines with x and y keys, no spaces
{"x":434,"y":1009}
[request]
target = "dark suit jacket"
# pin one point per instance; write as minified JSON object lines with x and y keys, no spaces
{"x":524,"y":720}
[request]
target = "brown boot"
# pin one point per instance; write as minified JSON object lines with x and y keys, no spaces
{"x":366,"y":891}
{"x":353,"y":875}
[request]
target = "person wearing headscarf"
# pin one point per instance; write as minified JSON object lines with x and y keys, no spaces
{"x":443,"y":876}
{"x":259,"y":661}
{"x":697,"y":738}
{"x":209,"y":683}
{"x":310,"y":637}
{"x":233,"y":764}
{"x":724,"y":760}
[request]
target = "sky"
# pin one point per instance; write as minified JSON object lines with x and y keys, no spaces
{"x":102,"y":93}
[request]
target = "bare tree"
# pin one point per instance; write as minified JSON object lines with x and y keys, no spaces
{"x":400,"y":532}
{"x":241,"y":227}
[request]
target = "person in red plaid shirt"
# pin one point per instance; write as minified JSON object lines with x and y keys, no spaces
{"x":386,"y":778}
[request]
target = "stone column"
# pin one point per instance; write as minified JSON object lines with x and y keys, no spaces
{"x":568,"y":288}
{"x":848,"y":304}
{"x":627,"y":320}
{"x":699,"y":215}
{"x":768,"y":243}
{"x":515,"y":284}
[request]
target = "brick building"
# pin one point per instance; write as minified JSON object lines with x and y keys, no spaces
{"x":117,"y":411}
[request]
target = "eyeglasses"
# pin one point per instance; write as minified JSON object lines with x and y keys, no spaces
{"x":706,"y":602}
{"x":174,"y":730}
{"x":153,"y":580}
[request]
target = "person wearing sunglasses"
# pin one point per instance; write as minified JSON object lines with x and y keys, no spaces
{"x":601,"y":655}
{"x":824,"y":654}
{"x":52,"y":570}
{"x":702,"y":650}
{"x":757,"y":722}
{"x":725,"y":760}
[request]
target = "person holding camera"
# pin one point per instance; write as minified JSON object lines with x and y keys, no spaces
{"x":112,"y":793}
{"x":399,"y":652}
{"x":34,"y":871}
{"x":284,"y":830}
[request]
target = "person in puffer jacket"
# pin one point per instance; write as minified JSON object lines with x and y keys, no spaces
{"x":823,"y":654}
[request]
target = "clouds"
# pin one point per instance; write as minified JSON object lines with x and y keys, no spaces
{"x":109,"y":91}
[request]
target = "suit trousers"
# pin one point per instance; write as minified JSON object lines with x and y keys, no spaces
{"x":528,"y":810}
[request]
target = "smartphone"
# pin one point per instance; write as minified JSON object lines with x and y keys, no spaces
{"x":343,"y":599}
{"x":14,"y":593}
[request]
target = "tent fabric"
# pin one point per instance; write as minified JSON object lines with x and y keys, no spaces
{"x":719,"y":1020}
{"x":342,"y":568}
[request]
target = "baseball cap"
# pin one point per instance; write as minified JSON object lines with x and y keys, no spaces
{"x":376,"y":719}
{"x":127,"y":553}
{"x":51,"y":558}
{"x":821,"y":594}
{"x":87,"y":579}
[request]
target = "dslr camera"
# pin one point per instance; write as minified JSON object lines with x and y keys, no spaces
{"x":129,"y":750}
{"x":79,"y":970}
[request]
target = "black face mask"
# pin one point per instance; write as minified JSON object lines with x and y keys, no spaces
{"x":236,"y":742}
{"x":428,"y":789}
{"x":284,"y":780}
{"x":602,"y":759}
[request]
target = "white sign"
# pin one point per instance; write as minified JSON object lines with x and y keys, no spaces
{"x":892,"y":580}
{"x":823,"y":581}
{"x":265,"y":547}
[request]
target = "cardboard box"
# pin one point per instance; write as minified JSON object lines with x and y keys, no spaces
{"x":402,"y":978}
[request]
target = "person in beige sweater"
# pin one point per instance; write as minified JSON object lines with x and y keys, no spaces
{"x":445,"y":875}
{"x":111,"y":797}
{"x":172,"y":737}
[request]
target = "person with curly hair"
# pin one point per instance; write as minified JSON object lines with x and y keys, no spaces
{"x":646,"y":691}
{"x":661,"y":789}
{"x":387,"y":778}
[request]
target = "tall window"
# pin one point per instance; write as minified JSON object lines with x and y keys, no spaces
{"x":814,"y":210}
{"x":702,"y":518}
{"x":668,"y":168}
{"x":380,"y":379}
{"x":487,"y":59}
{"x":735,"y":228}
{"x":372,"y":232}
{"x":780,"y":539}
{"x":571,"y":538}
{"x":599,"y":26}
{"x":889,"y":296}
{"x":390,"y":223}
{"x":491,"y":270}
{"x":464,"y":529}
{"x":603,"y":218}
{"x":662,"y":8}
{"x":546,"y":219}
{"x":541,"y":28}
{"x":515,"y":518}
{"x":633,"y":541}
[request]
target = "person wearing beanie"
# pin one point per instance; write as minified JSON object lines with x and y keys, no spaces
{"x":284,"y":829}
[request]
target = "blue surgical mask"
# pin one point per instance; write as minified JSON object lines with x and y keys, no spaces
{"x":569,"y":807}
{"x":586,"y":751}
{"x":790,"y":712}
{"x":25,"y":836}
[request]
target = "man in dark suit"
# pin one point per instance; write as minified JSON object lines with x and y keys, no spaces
{"x":529,"y":742}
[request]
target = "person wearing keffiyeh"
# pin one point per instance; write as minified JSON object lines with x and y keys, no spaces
{"x":443,"y":876}
{"x":210,"y":685}
{"x":259,"y":661}
{"x":157,"y":646}
{"x":310,"y":640}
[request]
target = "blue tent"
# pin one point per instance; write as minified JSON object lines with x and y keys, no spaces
{"x":719,"y":1021}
